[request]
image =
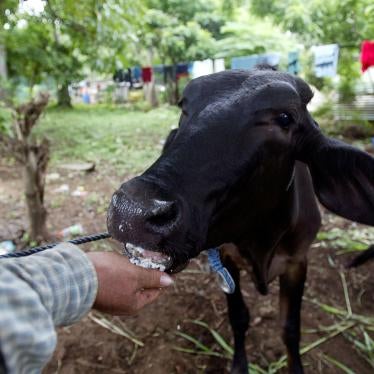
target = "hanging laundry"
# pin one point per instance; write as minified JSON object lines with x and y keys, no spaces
{"x":249,"y":62}
{"x":170,"y":73}
{"x":123,"y":75}
{"x":147,"y":74}
{"x":271,"y":59}
{"x":128,"y":76}
{"x":136,"y":73}
{"x":119,"y":75}
{"x":326,"y":60}
{"x":158,"y":69}
{"x":182,"y":70}
{"x":218,"y":65}
{"x":293,"y":66}
{"x":244,"y":62}
{"x":158,"y":74}
{"x":367,"y":55}
{"x":200,"y":68}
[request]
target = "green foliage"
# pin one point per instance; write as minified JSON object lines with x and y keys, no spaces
{"x":5,"y":121}
{"x":211,"y":22}
{"x":251,"y":35}
{"x":30,"y":52}
{"x":175,"y":41}
{"x":356,"y":129}
{"x":291,"y":14}
{"x":348,"y":240}
{"x":183,"y":10}
{"x":228,"y":7}
{"x":7,"y":7}
{"x":204,"y":13}
{"x":67,"y":40}
{"x":346,"y":22}
{"x":71,"y":39}
{"x":177,"y":31}
{"x":349,"y":71}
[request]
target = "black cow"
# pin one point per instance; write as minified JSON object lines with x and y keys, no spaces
{"x":244,"y":167}
{"x":362,"y":258}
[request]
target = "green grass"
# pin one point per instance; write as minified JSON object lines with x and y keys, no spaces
{"x":350,"y":239}
{"x":352,"y":326}
{"x":127,"y":139}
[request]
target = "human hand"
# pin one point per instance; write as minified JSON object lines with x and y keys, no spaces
{"x":124,"y":288}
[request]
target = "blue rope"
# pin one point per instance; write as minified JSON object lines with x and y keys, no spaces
{"x":225,"y":280}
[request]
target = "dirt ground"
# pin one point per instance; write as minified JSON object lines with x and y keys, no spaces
{"x":88,"y":347}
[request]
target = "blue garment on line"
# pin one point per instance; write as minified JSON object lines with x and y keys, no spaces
{"x":326,"y":60}
{"x":182,"y":69}
{"x":249,"y":62}
{"x":158,"y":69}
{"x":244,"y":62}
{"x":293,"y":66}
{"x":136,"y":73}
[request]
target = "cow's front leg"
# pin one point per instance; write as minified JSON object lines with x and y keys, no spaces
{"x":291,"y":293}
{"x":239,"y":320}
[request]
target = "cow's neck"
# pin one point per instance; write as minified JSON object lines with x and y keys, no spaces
{"x":266,"y":212}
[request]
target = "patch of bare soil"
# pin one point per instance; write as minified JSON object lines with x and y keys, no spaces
{"x":87,"y":347}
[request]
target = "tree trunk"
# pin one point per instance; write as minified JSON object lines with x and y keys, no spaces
{"x":34,"y":157}
{"x":63,"y":97}
{"x":3,"y":71}
{"x":153,"y":98}
{"x":173,"y":87}
{"x":176,"y":91}
{"x":152,"y":95}
{"x":3,"y":66}
{"x":34,"y":178}
{"x":176,"y":86}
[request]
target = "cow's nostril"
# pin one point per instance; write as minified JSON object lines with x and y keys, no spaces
{"x":163,"y":213}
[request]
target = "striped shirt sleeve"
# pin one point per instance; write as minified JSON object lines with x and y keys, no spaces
{"x":56,"y":287}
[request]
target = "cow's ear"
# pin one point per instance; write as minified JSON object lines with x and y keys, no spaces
{"x":169,"y":140}
{"x":343,"y":177}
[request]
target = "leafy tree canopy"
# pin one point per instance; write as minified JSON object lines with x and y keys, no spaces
{"x":321,"y":21}
{"x":69,"y":39}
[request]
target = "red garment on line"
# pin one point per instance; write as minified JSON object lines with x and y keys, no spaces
{"x":367,"y":54}
{"x":147,"y":74}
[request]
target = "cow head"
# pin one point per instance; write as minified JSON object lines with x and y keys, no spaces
{"x":239,"y":132}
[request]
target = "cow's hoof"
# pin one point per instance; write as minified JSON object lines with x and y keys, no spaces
{"x":241,"y":368}
{"x":239,"y":371}
{"x":296,"y":370}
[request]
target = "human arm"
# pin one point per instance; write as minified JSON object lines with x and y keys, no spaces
{"x":58,"y":287}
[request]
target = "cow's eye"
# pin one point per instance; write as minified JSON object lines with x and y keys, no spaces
{"x":284,"y":120}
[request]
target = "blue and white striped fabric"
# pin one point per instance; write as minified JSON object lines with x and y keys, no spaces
{"x":56,"y":287}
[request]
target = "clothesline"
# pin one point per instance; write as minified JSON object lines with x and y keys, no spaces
{"x":325,"y":64}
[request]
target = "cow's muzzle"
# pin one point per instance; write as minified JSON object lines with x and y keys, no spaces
{"x":144,"y":217}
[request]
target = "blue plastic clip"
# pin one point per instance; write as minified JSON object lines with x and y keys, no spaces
{"x":225,"y":280}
